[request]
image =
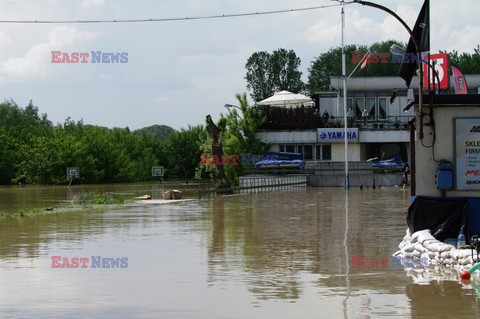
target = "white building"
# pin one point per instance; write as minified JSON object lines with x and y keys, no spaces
{"x":385,"y":134}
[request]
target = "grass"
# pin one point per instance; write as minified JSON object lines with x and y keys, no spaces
{"x":82,"y":201}
{"x":92,"y":198}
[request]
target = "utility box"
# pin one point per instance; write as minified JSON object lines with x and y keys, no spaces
{"x":444,"y":176}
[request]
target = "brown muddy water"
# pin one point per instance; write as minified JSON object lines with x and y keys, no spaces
{"x":269,"y":255}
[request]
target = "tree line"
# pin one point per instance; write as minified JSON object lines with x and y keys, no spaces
{"x":35,"y":151}
{"x":267,"y":73}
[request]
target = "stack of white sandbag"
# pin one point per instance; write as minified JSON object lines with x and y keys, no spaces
{"x":424,"y":246}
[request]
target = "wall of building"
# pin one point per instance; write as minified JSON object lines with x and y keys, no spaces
{"x":338,"y":152}
{"x":280,"y":137}
{"x":443,"y":149}
{"x":356,"y":180}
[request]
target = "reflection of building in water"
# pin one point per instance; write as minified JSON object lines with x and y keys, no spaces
{"x":281,"y":244}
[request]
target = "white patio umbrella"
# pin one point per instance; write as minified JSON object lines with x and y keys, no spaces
{"x":287,"y":98}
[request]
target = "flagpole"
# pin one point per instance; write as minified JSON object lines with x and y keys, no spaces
{"x":359,"y":63}
{"x":417,"y":49}
{"x":344,"y":76}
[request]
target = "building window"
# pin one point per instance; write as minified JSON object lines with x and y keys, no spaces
{"x":327,"y":152}
{"x":323,"y":152}
{"x":308,"y":152}
{"x":382,"y":108}
{"x":290,"y":148}
{"x":282,"y":148}
{"x":371,"y":108}
{"x":359,"y":106}
{"x":300,"y":149}
{"x":318,"y":152}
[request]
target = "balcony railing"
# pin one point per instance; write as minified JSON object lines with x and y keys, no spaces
{"x":303,"y":119}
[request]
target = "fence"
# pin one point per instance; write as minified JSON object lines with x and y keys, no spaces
{"x":257,"y":183}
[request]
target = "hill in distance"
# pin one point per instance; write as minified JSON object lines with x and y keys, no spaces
{"x":161,"y":131}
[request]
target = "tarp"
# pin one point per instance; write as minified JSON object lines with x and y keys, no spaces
{"x":444,"y":217}
{"x":395,"y":161}
{"x":265,"y":164}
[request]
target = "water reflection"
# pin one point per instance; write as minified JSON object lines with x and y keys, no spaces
{"x":282,"y":255}
{"x":26,"y":197}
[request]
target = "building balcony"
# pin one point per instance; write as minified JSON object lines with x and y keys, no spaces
{"x":305,"y":122}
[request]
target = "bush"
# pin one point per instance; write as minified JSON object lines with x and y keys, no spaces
{"x":92,"y":198}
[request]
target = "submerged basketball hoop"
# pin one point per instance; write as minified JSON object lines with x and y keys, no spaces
{"x":73,"y":172}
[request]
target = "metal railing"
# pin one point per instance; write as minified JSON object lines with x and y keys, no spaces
{"x":261,"y":183}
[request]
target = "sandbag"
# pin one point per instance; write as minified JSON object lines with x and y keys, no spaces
{"x":419,"y":233}
{"x":408,"y":248}
{"x":445,"y":254}
{"x":444,"y":247}
{"x":424,"y":237}
{"x":416,"y":254}
{"x":419,"y":247}
{"x":447,"y":261}
{"x":462,"y":253}
{"x":397,"y":253}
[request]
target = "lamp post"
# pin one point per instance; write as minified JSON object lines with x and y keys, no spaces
{"x":231,"y":105}
{"x":417,"y":49}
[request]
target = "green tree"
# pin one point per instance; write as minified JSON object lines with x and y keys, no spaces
{"x":183,"y":151}
{"x":240,"y":135}
{"x":268,"y":73}
{"x":466,"y":62}
{"x":330,"y":64}
{"x":237,"y":135}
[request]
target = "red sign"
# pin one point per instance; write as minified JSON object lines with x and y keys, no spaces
{"x":439,"y":62}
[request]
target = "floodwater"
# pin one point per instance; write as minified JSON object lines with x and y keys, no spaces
{"x":269,"y":255}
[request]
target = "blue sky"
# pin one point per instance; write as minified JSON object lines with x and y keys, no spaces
{"x":178,"y":72}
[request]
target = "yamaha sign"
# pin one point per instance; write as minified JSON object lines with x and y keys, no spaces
{"x":336,"y":135}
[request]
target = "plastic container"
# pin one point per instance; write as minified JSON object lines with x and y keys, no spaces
{"x":461,"y":240}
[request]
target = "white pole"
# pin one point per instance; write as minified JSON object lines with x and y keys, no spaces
{"x":344,"y":76}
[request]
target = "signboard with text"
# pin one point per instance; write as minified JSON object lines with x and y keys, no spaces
{"x":439,"y":62}
{"x":467,"y":153}
{"x":336,"y":135}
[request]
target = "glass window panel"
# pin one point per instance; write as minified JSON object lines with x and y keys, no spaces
{"x":382,"y":108}
{"x":359,"y":106}
{"x":318,"y":152}
{"x":371,"y":107}
{"x":282,"y":148}
{"x":300,"y":148}
{"x":308,"y":152}
{"x":290,"y":148}
{"x":326,"y":152}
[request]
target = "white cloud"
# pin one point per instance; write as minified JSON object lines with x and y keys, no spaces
{"x":360,"y":29}
{"x":35,"y":62}
{"x":464,"y":40}
{"x":91,"y":3}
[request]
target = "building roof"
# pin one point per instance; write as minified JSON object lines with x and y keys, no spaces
{"x":388,"y":83}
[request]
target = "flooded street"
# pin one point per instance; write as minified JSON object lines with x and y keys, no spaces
{"x":269,"y":255}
